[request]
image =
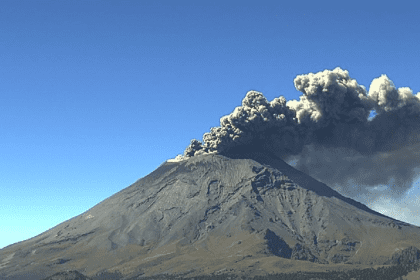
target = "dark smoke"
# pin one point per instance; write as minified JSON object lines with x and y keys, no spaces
{"x":328,"y":132}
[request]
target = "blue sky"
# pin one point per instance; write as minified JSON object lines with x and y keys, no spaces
{"x":97,"y":94}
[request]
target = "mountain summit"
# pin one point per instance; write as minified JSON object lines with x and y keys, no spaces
{"x":251,"y":213}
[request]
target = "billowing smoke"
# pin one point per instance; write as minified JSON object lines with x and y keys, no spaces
{"x":328,"y":133}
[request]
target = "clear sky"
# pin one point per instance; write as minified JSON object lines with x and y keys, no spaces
{"x":97,"y":94}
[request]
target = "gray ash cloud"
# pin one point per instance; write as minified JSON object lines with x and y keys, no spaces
{"x":328,"y":132}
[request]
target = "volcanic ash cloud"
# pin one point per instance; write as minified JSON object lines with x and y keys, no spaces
{"x":327,"y":132}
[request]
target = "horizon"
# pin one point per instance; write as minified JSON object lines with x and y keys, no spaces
{"x":96,"y":95}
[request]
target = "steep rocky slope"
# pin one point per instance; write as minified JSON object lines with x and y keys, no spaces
{"x":213,"y":213}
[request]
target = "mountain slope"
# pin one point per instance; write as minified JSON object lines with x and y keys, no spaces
{"x":214,"y":213}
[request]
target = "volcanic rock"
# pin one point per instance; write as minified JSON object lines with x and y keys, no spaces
{"x":409,"y":255}
{"x":68,"y":275}
{"x":248,"y":214}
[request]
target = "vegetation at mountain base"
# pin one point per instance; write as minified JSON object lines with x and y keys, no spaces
{"x":395,"y":272}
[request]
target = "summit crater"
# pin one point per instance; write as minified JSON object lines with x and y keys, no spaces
{"x":210,"y":212}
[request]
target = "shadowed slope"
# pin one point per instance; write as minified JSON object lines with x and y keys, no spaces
{"x":305,"y":181}
{"x":208,"y":213}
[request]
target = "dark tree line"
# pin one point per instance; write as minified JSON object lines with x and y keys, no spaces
{"x":394,"y":272}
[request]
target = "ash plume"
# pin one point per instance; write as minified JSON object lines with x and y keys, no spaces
{"x":328,"y":132}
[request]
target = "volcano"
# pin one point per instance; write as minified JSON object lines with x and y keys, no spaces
{"x":251,"y":214}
